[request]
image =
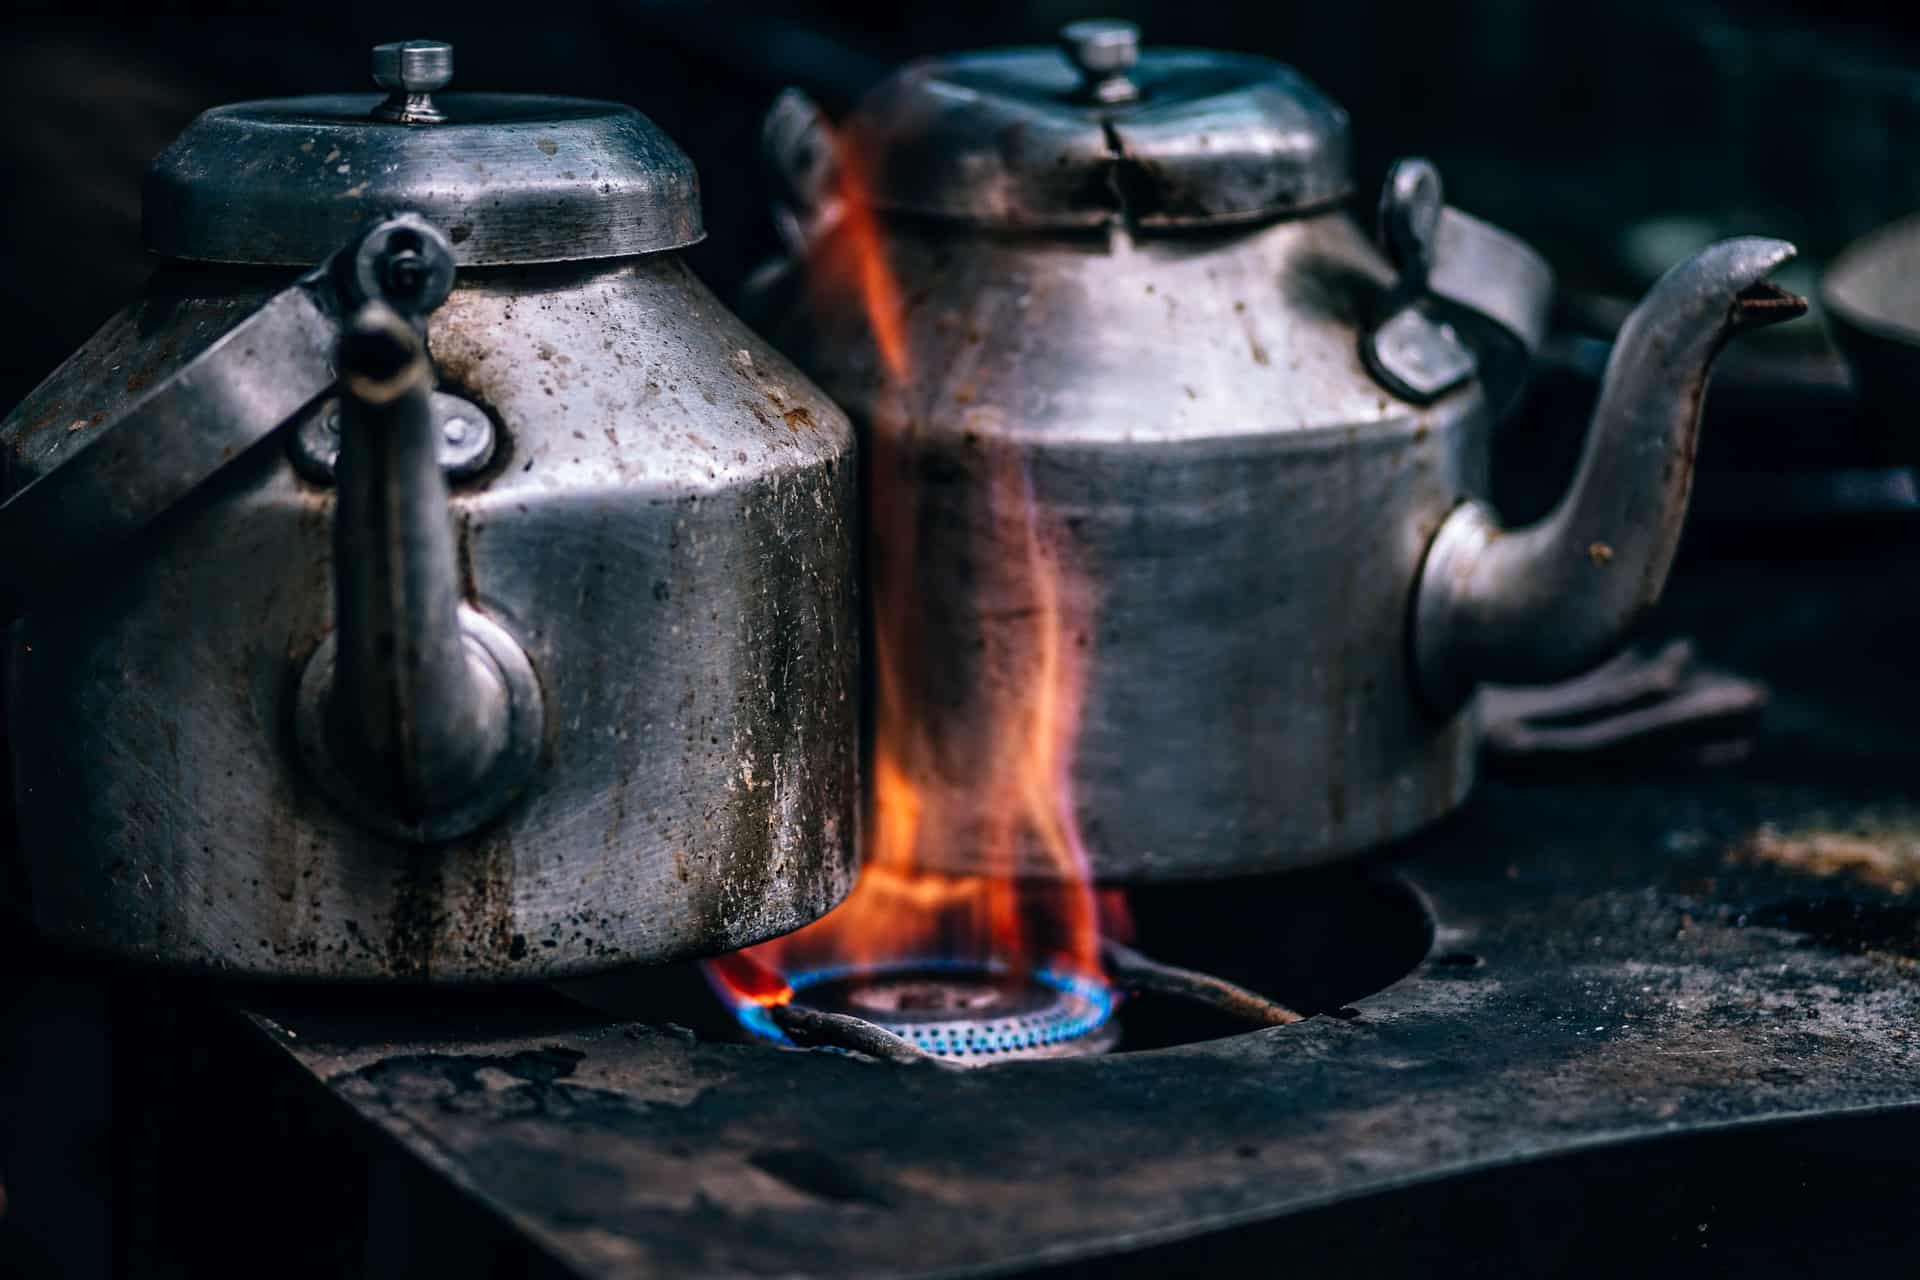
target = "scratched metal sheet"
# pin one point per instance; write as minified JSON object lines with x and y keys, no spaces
{"x":1614,"y":960}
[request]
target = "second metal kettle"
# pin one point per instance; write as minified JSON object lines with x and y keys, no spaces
{"x":1259,"y":434}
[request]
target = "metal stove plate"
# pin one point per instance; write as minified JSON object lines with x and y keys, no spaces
{"x":1602,"y":974}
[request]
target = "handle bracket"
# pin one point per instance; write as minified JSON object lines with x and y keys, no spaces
{"x":1471,"y":299}
{"x":189,"y":426}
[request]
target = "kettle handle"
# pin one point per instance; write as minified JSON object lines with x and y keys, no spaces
{"x":1497,"y":291}
{"x":1471,"y":298}
{"x":185,"y":428}
{"x":801,"y":159}
{"x":190,"y":425}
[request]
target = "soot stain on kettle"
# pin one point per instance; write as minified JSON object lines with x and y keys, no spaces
{"x":452,"y":907}
{"x":1333,"y":288}
{"x":410,"y":918}
{"x":483,"y":917}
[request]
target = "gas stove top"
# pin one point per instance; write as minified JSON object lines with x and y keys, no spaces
{"x":1624,"y":964}
{"x":1648,"y":1016}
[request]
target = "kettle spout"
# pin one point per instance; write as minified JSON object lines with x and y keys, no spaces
{"x":1550,"y":600}
{"x":421,"y":715}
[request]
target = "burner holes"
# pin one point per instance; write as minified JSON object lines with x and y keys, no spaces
{"x":1457,"y":960}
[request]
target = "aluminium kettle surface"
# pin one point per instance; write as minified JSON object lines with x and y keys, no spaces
{"x":662,"y":530}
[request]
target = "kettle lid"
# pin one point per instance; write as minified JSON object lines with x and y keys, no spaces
{"x":513,"y":178}
{"x":1100,"y":130}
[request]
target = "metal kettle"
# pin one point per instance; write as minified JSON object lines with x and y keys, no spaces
{"x":1261,"y":430}
{"x":428,"y":577}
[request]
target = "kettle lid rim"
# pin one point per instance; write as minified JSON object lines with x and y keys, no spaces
{"x":512,"y":178}
{"x":1005,"y":138}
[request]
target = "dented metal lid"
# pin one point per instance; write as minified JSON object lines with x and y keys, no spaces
{"x":511,"y":178}
{"x":1100,"y":130}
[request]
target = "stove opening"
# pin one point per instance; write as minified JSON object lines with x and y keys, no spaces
{"x":1313,"y":943}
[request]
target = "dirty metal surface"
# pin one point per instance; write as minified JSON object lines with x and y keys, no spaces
{"x":1003,"y":138}
{"x":1173,"y":409}
{"x":1611,"y":963}
{"x":666,"y":528}
{"x":515,"y":179}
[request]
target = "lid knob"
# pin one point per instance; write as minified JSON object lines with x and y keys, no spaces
{"x":1104,"y":49}
{"x":410,"y":70}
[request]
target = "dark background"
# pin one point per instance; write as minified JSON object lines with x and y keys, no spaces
{"x":1617,"y":137}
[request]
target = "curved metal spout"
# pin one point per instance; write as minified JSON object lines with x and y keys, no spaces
{"x":1550,"y":600}
{"x":423,"y":714}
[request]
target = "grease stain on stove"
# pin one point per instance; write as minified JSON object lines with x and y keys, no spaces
{"x":1851,"y":887}
{"x":1875,"y":851}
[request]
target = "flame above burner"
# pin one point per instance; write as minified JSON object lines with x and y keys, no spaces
{"x":1005,"y":749}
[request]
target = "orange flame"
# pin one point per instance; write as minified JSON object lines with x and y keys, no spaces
{"x":749,"y":981}
{"x":985,"y":783}
{"x":858,"y":254}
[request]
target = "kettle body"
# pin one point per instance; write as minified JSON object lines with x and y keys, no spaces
{"x":1247,"y":551}
{"x":662,"y":528}
{"x":1252,"y":435}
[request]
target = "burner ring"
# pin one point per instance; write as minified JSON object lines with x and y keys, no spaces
{"x":971,"y":1013}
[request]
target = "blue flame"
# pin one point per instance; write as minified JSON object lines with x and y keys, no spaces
{"x":1091,"y":1003}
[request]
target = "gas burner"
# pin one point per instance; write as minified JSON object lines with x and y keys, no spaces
{"x":1326,"y":939}
{"x":963,"y":1013}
